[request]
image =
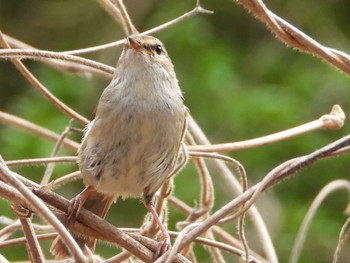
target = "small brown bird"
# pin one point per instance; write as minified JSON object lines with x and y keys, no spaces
{"x":132,"y":145}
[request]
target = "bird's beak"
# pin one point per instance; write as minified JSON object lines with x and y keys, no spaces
{"x":134,"y":43}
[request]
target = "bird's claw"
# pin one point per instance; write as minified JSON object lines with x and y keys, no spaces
{"x":74,"y":209}
{"x":163,"y":246}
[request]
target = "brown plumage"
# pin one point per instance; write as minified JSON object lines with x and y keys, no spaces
{"x":131,"y":146}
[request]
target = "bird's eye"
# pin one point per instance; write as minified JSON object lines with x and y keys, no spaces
{"x":158,"y":49}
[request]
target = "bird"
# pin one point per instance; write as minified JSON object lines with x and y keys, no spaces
{"x":131,"y":146}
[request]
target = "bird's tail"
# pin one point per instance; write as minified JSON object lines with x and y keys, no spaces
{"x":95,"y":203}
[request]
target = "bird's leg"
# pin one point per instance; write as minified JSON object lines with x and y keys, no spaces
{"x":165,"y":240}
{"x":77,"y":203}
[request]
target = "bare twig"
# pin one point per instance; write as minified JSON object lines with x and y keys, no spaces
{"x":235,"y":187}
{"x":332,"y":121}
{"x":207,"y":188}
{"x":61,"y":65}
{"x":23,"y":240}
{"x":325,"y":192}
{"x":275,"y":176}
{"x":12,"y":195}
{"x":127,"y":24}
{"x":42,"y":89}
{"x":112,"y":10}
{"x":33,"y":247}
{"x":9,"y":229}
{"x":36,"y":129}
{"x":62,"y":159}
{"x":222,"y":246}
{"x":50,"y":167}
{"x":66,"y":178}
{"x":44,"y":211}
{"x":40,"y":54}
{"x":344,"y":235}
{"x":296,"y":38}
{"x":197,"y":10}
{"x":154,"y":30}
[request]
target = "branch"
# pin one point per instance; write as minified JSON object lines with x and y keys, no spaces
{"x":33,"y":247}
{"x":36,"y":129}
{"x":332,"y":121}
{"x":61,"y":159}
{"x":127,"y":24}
{"x":40,"y":54}
{"x":42,"y":89}
{"x":195,"y":11}
{"x":325,"y":192}
{"x":112,"y":10}
{"x":232,"y":183}
{"x":276,"y":175}
{"x":66,"y":66}
{"x":8,"y":176}
{"x":296,"y":38}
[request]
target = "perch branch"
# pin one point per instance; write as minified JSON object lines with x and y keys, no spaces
{"x":8,"y":176}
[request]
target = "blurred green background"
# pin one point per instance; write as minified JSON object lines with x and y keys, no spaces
{"x":239,"y":82}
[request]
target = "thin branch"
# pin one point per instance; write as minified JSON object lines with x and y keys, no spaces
{"x":343,"y":237}
{"x":152,"y":31}
{"x":214,"y":249}
{"x":168,"y":256}
{"x":12,"y":195}
{"x":23,"y":240}
{"x":207,"y":188}
{"x":332,"y":121}
{"x":36,"y":129}
{"x":3,"y":259}
{"x":276,"y":175}
{"x":51,"y":166}
{"x":33,"y":247}
{"x":61,"y":159}
{"x":8,"y":176}
{"x":101,"y":227}
{"x":14,"y":225}
{"x":41,"y":88}
{"x":40,"y":54}
{"x":230,"y":240}
{"x":66,"y":178}
{"x":197,"y":10}
{"x":60,"y":65}
{"x":95,"y":48}
{"x":112,"y":10}
{"x":233,"y":184}
{"x":218,"y":231}
{"x":325,"y":192}
{"x":7,"y":231}
{"x":222,"y":246}
{"x":296,"y":38}
{"x":127,"y":24}
{"x":243,"y":177}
